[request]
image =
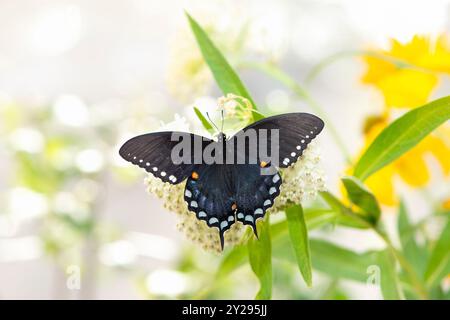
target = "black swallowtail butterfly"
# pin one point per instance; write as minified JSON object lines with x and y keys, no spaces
{"x":226,"y":192}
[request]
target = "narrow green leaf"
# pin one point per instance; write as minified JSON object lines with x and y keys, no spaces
{"x":439,"y":262}
{"x":334,"y":292}
{"x":346,"y":216}
{"x":299,"y":241}
{"x":415,"y":254}
{"x":362,"y":198}
{"x":278,"y":229}
{"x":314,"y":218}
{"x":389,"y":282}
{"x":401,"y":135}
{"x":235,"y":258}
{"x":226,"y":78}
{"x":204,"y":121}
{"x":260,"y":256}
{"x":318,"y":217}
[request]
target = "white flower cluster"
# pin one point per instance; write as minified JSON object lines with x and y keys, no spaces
{"x":302,"y":181}
{"x":195,"y":230}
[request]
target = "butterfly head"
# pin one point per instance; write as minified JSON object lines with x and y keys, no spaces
{"x":221,"y":137}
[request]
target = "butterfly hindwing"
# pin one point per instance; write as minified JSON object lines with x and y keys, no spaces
{"x":153,"y":153}
{"x":209,"y":193}
{"x":254,"y":193}
{"x":220,"y":194}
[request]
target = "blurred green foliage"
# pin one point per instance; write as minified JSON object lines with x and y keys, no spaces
{"x":285,"y":262}
{"x":364,"y":212}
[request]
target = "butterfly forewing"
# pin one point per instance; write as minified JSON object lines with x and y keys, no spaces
{"x":295,"y":132}
{"x":153,"y":152}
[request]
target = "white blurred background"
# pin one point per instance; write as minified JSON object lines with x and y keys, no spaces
{"x":106,"y":64}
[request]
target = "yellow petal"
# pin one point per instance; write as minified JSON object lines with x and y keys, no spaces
{"x":377,"y":69}
{"x":407,"y":88}
{"x":439,"y":57}
{"x":440,"y":150}
{"x":381,"y":185}
{"x":412,"y":169}
{"x":446,"y":204}
{"x":408,"y":80}
{"x":412,"y":166}
{"x":412,"y":51}
{"x":426,"y":52}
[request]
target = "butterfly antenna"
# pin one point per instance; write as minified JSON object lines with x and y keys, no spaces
{"x":223,"y":120}
{"x":207,"y":114}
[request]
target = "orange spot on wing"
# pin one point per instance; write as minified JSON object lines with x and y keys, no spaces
{"x":234,"y":206}
{"x":194,"y":175}
{"x":263,"y":164}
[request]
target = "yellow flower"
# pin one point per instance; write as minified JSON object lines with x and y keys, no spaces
{"x":406,"y":74}
{"x":410,"y":167}
{"x":446,"y":206}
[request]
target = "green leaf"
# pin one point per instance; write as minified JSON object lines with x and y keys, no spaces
{"x":439,"y":262}
{"x":314,"y":218}
{"x":401,"y":135}
{"x":362,"y":198}
{"x":234,"y":259}
{"x":226,"y":78}
{"x":335,"y":261}
{"x":317,"y":217}
{"x":345,"y":215}
{"x":260,"y":256}
{"x":204,"y":121}
{"x":415,"y":254}
{"x":278,"y":229}
{"x":299,"y":241}
{"x":389,"y":282}
{"x":340,"y":262}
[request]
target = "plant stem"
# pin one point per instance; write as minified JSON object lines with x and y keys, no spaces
{"x":420,"y":289}
{"x":400,"y":63}
{"x":276,"y":73}
{"x":316,"y":69}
